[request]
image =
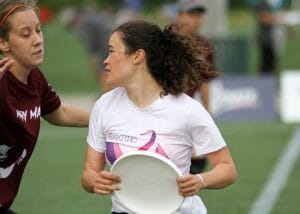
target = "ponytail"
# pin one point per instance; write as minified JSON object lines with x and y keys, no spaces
{"x":174,"y":61}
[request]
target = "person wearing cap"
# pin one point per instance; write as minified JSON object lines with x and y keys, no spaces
{"x":190,"y":18}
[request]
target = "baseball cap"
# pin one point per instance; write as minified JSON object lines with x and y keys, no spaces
{"x":189,"y":5}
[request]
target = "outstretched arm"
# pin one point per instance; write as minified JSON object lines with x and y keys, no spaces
{"x":68,"y":116}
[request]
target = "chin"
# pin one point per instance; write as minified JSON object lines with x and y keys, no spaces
{"x":110,"y":84}
{"x":39,"y":62}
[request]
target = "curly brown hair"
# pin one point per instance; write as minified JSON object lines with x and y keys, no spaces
{"x":174,"y":60}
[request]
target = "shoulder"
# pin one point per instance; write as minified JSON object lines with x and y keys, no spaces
{"x":37,"y":77}
{"x":37,"y":72}
{"x":192,"y":107}
{"x":185,"y":103}
{"x":113,"y":94}
{"x":107,"y":98}
{"x":190,"y":110}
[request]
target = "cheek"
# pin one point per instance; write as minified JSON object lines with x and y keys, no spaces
{"x":121,"y":72}
{"x":18,"y":45}
{"x":118,"y":64}
{"x":18,"y":51}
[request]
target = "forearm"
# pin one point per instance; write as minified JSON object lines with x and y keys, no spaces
{"x":220,"y":176}
{"x":94,"y":164}
{"x":68,"y":116}
{"x":75,"y":117}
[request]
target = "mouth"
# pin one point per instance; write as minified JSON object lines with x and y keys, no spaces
{"x":39,"y":52}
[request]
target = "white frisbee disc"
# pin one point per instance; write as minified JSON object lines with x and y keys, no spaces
{"x":148,"y":183}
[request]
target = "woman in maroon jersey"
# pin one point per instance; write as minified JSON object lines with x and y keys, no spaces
{"x":25,"y":95}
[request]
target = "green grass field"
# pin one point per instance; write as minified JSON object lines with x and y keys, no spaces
{"x":51,"y":181}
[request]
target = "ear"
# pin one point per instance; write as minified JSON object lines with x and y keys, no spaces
{"x":4,"y":47}
{"x":139,"y":56}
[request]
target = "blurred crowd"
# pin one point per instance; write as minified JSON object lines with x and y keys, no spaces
{"x":93,"y":25}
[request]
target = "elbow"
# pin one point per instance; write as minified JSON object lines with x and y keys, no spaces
{"x":233,"y":175}
{"x":85,"y":185}
{"x":52,"y":120}
{"x":54,"y":123}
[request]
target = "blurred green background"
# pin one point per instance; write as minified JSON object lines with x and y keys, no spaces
{"x":51,"y":181}
{"x":66,"y":59}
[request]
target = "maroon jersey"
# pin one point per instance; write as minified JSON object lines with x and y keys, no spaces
{"x":21,"y":106}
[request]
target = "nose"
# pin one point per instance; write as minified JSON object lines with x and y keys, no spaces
{"x":37,"y":38}
{"x":105,"y":62}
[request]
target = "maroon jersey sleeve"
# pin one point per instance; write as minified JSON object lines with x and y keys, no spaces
{"x":50,"y":101}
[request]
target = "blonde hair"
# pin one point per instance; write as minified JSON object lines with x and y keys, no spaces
{"x":10,"y":7}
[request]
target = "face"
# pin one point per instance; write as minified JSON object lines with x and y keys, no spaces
{"x":191,"y":21}
{"x":118,"y":64}
{"x":25,"y":39}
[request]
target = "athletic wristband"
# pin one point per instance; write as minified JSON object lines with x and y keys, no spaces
{"x":201,"y":179}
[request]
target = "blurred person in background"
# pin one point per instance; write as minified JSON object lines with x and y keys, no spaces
{"x":25,"y":95}
{"x":130,"y":10}
{"x":190,"y":19}
{"x":150,"y":69}
{"x":93,"y":27}
{"x":270,"y":34}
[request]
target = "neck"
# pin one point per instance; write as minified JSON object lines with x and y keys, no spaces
{"x":20,"y":72}
{"x":144,"y":92}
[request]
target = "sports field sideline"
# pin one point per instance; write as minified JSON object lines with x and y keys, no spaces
{"x":52,"y":180}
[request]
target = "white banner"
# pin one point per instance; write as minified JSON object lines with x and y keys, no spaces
{"x":290,"y":96}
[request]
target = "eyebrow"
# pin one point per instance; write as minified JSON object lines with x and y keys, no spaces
{"x":38,"y":24}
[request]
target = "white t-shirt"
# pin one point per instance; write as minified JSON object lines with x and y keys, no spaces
{"x":171,"y":126}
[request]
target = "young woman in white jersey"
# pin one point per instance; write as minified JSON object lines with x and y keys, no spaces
{"x":150,"y":69}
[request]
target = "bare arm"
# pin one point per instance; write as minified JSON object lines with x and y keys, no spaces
{"x":222,"y":174}
{"x":204,"y":93}
{"x":94,"y":179}
{"x":68,"y":116}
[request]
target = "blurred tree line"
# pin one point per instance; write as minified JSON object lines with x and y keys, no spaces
{"x":114,"y":4}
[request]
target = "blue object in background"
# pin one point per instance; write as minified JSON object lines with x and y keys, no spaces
{"x":135,"y":5}
{"x":274,"y":4}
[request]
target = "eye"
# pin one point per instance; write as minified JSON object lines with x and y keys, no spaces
{"x":38,"y":29}
{"x":25,"y":35}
